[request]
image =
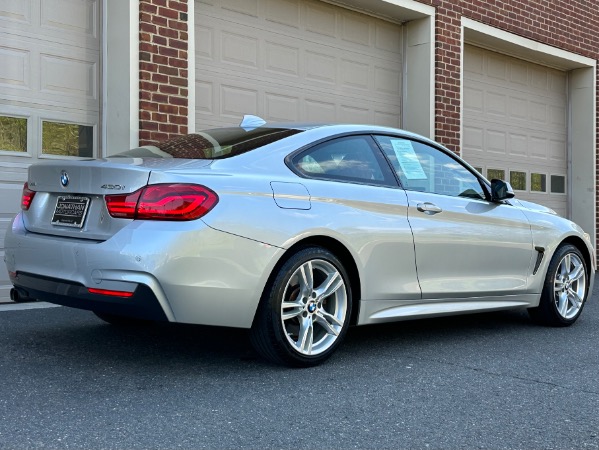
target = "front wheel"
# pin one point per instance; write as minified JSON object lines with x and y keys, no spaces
{"x":305,"y":311}
{"x":565,"y":290}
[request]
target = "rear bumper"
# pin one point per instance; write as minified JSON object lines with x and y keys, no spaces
{"x":143,"y":304}
{"x":184,"y":271}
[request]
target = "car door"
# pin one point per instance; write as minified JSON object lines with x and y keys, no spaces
{"x":466,"y":246}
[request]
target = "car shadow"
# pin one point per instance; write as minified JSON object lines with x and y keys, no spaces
{"x":82,"y":339}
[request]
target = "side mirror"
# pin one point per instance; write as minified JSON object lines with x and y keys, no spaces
{"x":501,"y":190}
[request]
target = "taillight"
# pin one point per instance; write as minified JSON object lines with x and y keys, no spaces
{"x":163,"y":202}
{"x":122,"y":205}
{"x":110,"y":292}
{"x":27,"y":197}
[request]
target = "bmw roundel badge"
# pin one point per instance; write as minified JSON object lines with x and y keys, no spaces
{"x":64,"y":178}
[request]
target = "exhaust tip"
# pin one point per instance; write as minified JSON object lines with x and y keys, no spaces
{"x":20,"y":296}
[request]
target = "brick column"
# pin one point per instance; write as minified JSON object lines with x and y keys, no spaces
{"x":163,"y":74}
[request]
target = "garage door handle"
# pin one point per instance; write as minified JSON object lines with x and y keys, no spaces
{"x":428,"y":208}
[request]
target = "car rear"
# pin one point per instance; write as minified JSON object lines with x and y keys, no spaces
{"x":125,"y":236}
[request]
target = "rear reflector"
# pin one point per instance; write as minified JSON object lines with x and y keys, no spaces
{"x":110,"y":293}
{"x":163,"y":202}
{"x":26,"y":197}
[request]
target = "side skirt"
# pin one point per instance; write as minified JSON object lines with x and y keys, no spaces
{"x":379,"y":311}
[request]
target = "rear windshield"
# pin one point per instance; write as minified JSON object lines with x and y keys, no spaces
{"x":218,"y":143}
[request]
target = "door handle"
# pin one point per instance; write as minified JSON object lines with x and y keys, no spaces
{"x":428,"y":208}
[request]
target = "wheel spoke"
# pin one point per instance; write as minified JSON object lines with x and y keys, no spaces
{"x":567,"y":263}
{"x":306,"y":336}
{"x":562,"y":305}
{"x":574,"y":298}
{"x":330,"y":285}
{"x":577,"y":273}
{"x":306,"y":278}
{"x":324,"y":319}
{"x":289,"y":310}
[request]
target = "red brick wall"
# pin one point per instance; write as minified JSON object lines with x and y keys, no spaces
{"x":163,"y":73}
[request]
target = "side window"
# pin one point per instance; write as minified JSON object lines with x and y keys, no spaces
{"x":426,"y":169}
{"x":350,"y":158}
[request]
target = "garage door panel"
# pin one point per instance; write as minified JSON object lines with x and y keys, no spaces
{"x":15,"y":68}
{"x":239,"y":49}
{"x":332,"y":64}
{"x":320,"y":19}
{"x":70,"y":17}
{"x":248,"y":7}
{"x":49,"y":74}
{"x":484,"y":138}
{"x":66,"y":76}
{"x":70,"y":22}
{"x":16,"y":11}
{"x":282,"y":59}
{"x":285,"y":12}
{"x":281,"y":107}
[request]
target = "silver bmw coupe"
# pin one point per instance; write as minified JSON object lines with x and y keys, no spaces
{"x":294,"y":231}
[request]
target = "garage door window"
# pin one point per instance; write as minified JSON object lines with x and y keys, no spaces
{"x":13,"y":134}
{"x":67,"y":139}
{"x":496,"y":174}
{"x":518,"y":180}
{"x":558,"y":184}
{"x":538,"y":182}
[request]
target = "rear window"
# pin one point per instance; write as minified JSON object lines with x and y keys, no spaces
{"x":218,"y":143}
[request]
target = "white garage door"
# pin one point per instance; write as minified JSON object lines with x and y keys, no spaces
{"x":289,"y":60}
{"x":515,"y":125}
{"x":49,"y":92}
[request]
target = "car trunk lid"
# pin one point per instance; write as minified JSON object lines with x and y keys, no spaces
{"x":69,"y":199}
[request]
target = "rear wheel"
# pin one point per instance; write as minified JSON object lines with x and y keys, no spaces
{"x":565,"y":290}
{"x":121,"y":321}
{"x":305,"y":311}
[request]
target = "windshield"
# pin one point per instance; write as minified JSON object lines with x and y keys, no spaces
{"x":217,"y":143}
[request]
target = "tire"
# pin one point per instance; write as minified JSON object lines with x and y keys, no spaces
{"x":305,"y":310}
{"x":565,"y":290}
{"x":121,"y":321}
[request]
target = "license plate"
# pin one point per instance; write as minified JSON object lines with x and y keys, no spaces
{"x":70,"y":211}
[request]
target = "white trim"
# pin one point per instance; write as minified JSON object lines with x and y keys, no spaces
{"x":121,"y":77}
{"x":103,"y":78}
{"x":521,"y":47}
{"x":191,"y":67}
{"x":134,"y":73}
{"x":413,"y":6}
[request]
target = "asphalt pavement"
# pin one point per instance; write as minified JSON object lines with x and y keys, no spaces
{"x":489,"y":381}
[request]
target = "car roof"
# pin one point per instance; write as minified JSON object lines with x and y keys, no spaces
{"x":349,"y":128}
